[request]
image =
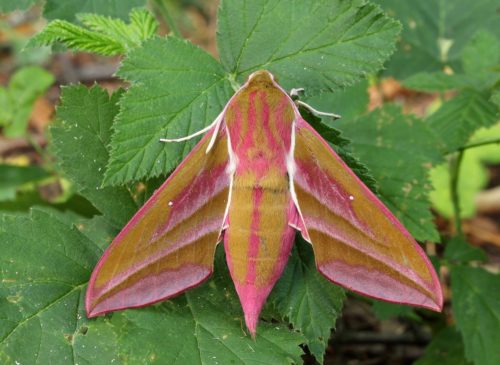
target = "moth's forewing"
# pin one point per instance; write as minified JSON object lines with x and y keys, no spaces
{"x":168,"y":246}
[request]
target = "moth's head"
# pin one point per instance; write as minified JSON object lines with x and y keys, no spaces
{"x":261,"y":78}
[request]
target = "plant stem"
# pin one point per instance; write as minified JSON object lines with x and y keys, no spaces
{"x":455,"y":163}
{"x":162,"y":8}
{"x":479,"y":144}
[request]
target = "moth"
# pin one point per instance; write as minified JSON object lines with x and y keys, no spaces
{"x":260,"y":174}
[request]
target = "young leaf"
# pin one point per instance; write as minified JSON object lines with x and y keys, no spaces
{"x":68,"y":9}
{"x":106,"y":36}
{"x":81,"y":138}
{"x":458,"y":118}
{"x":25,"y":86}
{"x":310,"y":302}
{"x":177,"y":89}
{"x":322,"y":46}
{"x":476,"y":309}
{"x":398,"y":149}
{"x":435,"y":32}
{"x":446,"y":348}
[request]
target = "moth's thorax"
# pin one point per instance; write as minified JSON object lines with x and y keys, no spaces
{"x":259,"y":120}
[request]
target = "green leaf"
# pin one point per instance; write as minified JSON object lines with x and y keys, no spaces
{"x":349,"y":103}
{"x":481,"y":58}
{"x":325,"y":45}
{"x":476,"y":309}
{"x":7,"y":6}
{"x":446,"y":348}
{"x":81,"y":139}
{"x":25,"y":86}
{"x":436,"y":81}
{"x":68,"y":9}
{"x":177,"y":89}
{"x":458,"y":118}
{"x":459,"y":250}
{"x":13,"y":177}
{"x":385,"y":310}
{"x":435,"y":32}
{"x":45,"y":267}
{"x":399,"y":150}
{"x":495,"y":97}
{"x":311,"y":303}
{"x":46,"y":263}
{"x":106,"y":36}
{"x":472,"y":178}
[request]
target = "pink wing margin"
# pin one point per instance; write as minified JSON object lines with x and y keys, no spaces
{"x":169,"y":244}
{"x":358,"y":243}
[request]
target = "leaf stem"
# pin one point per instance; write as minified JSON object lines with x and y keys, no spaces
{"x":162,"y":9}
{"x":455,"y":163}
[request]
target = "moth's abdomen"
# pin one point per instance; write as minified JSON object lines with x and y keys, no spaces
{"x":259,"y":239}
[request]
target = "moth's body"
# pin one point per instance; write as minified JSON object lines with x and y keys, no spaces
{"x":260,"y":173}
{"x":258,"y":238}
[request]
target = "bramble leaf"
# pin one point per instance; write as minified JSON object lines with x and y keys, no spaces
{"x":458,"y":118}
{"x":348,"y":103}
{"x":325,"y":45}
{"x":476,"y":309}
{"x":177,"y":89}
{"x":81,"y":139}
{"x":399,"y":150}
{"x":45,"y":265}
{"x":311,"y":303}
{"x":481,"y":59}
{"x":435,"y":32}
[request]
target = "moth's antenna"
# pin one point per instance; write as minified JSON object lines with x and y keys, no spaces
{"x":216,"y":131}
{"x":204,"y":130}
{"x":316,"y":111}
{"x":295,"y":94}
